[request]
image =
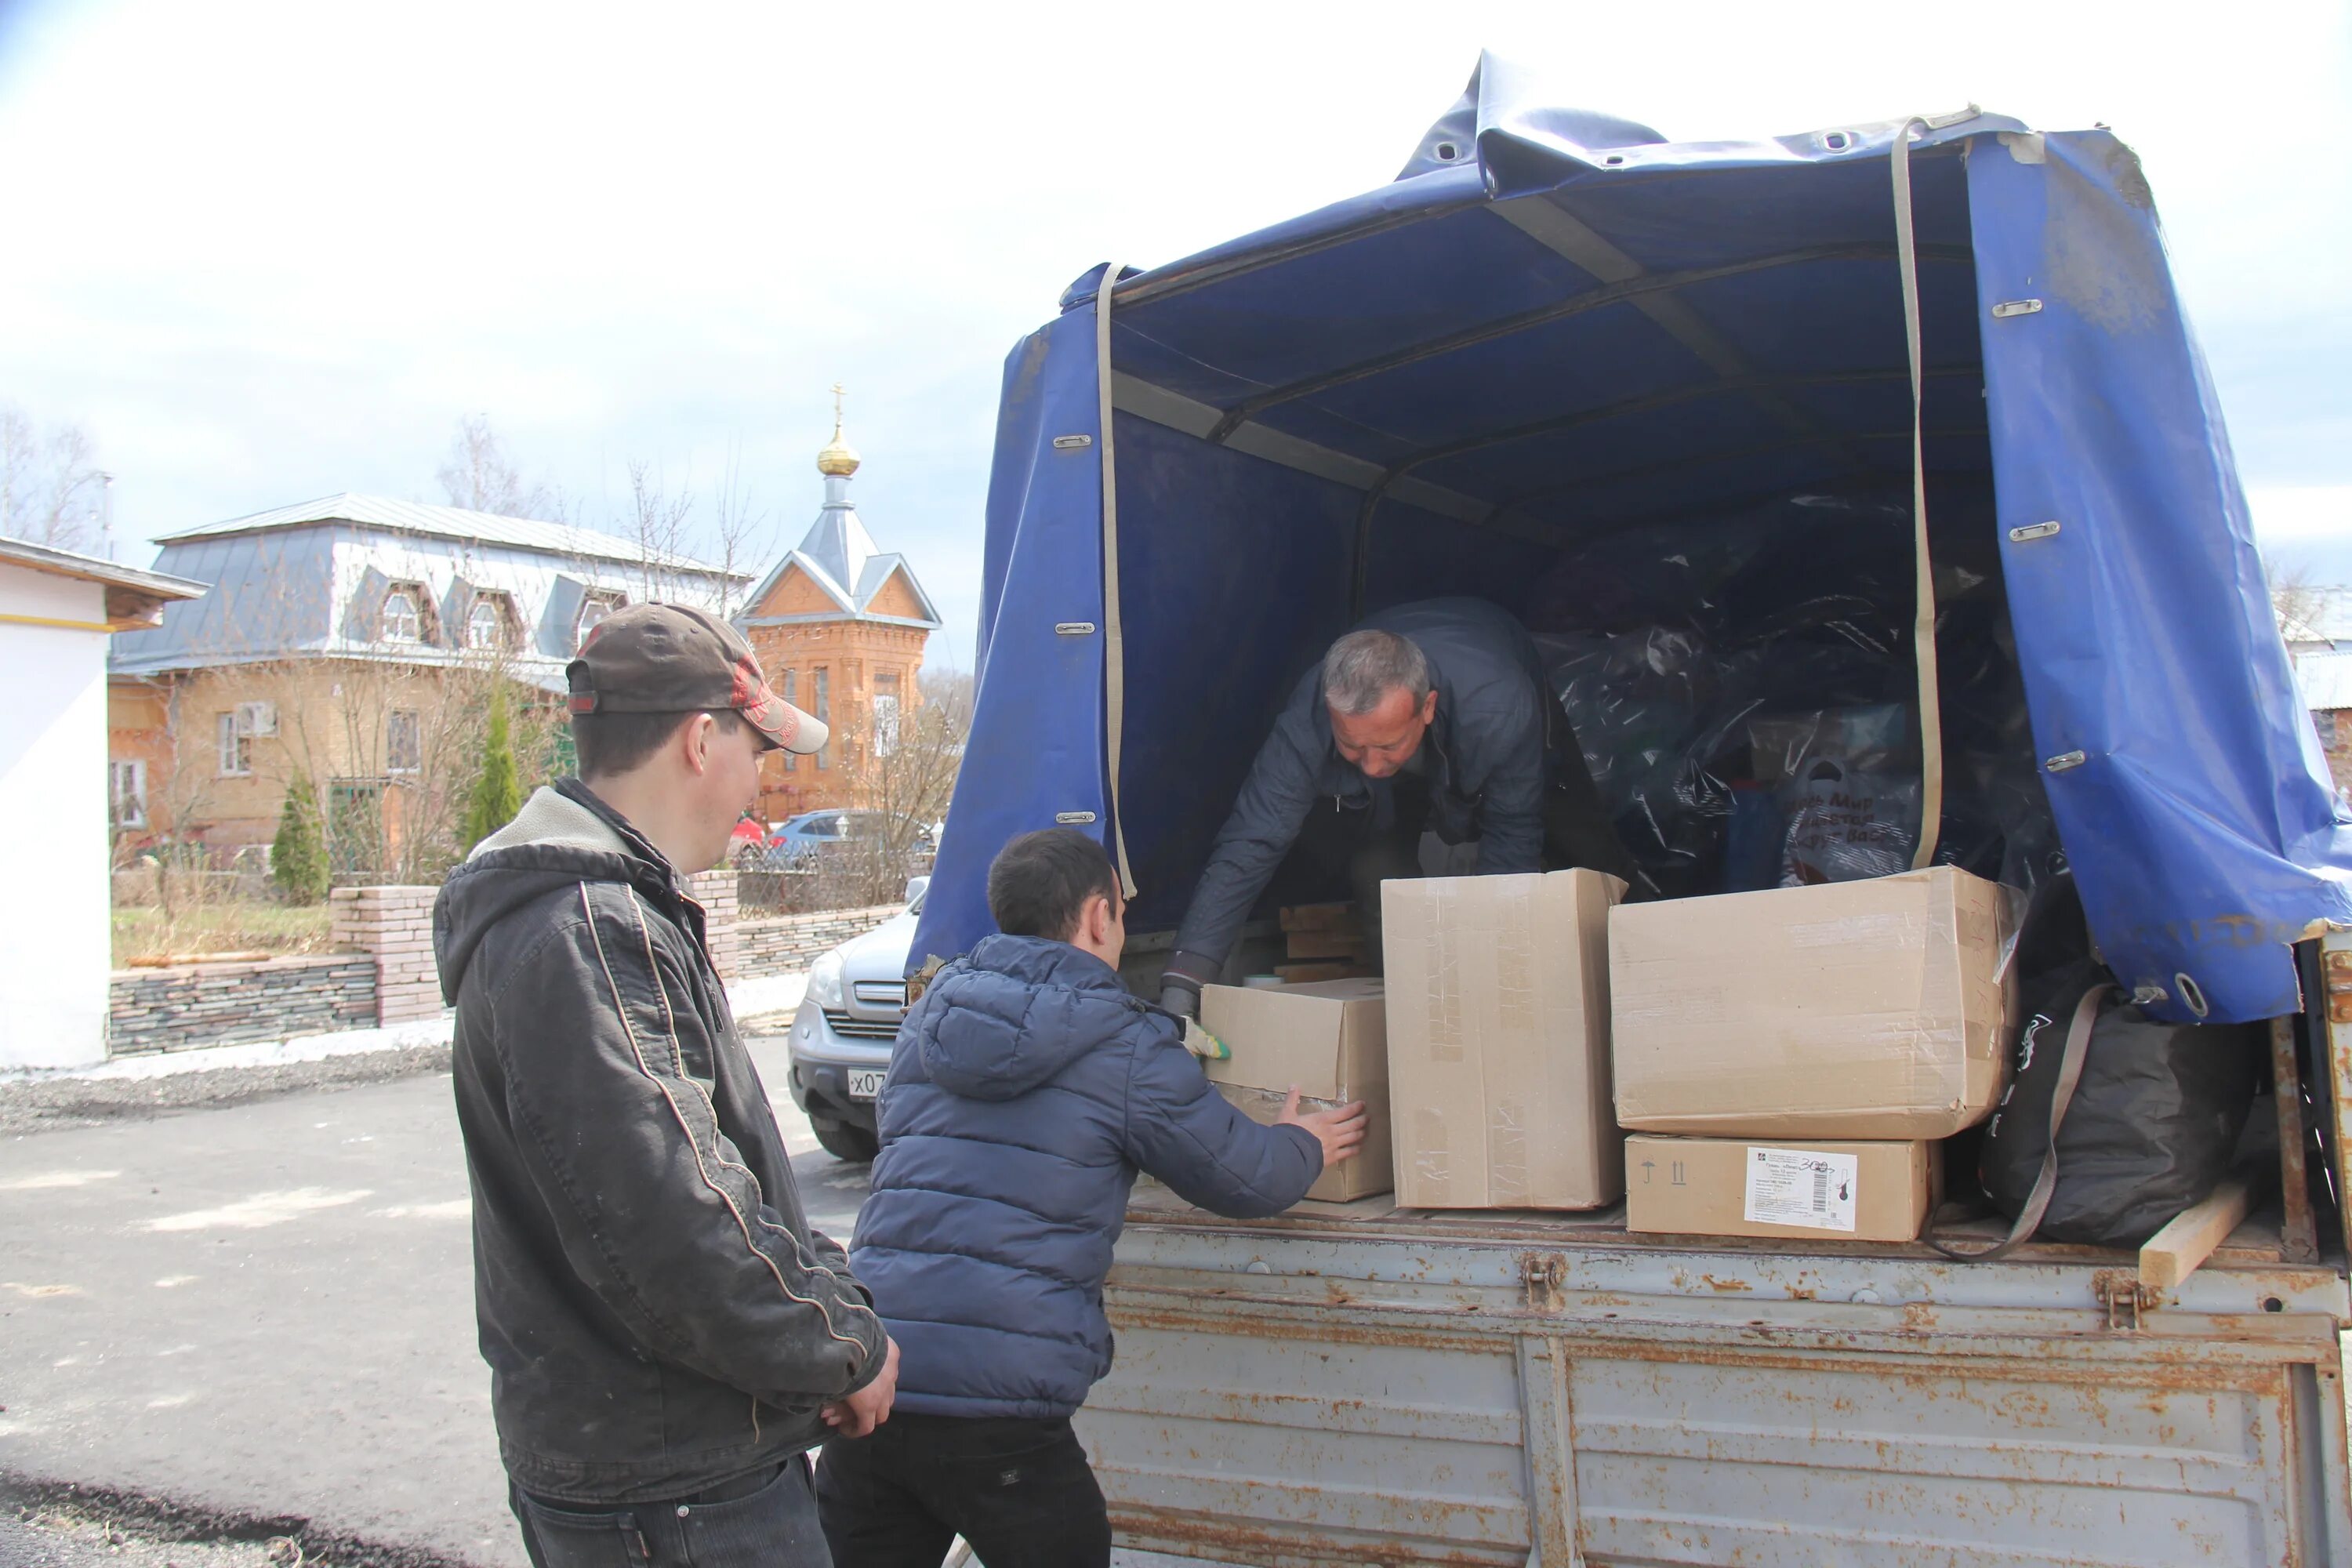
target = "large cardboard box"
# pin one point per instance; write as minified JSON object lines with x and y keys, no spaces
{"x":1745,"y":1186}
{"x":1330,"y":1038}
{"x":1873,"y":1010}
{"x":1498,"y":1040}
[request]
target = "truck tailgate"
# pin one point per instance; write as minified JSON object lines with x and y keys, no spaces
{"x":1472,"y":1389}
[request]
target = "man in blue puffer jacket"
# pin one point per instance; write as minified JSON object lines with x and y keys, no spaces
{"x":1027,"y":1089}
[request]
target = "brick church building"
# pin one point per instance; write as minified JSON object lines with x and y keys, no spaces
{"x":840,"y":628}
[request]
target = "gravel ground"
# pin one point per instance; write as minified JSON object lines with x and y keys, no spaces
{"x":50,"y":1526}
{"x":48,"y":1105}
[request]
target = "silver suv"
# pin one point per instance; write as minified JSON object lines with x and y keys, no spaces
{"x":848,"y":1019}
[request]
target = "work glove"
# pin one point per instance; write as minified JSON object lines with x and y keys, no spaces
{"x":1204,"y":1045}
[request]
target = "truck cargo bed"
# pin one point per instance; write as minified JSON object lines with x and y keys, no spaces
{"x":1550,"y":1388}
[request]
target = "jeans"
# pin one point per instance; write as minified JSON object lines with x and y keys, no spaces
{"x":766,"y":1520}
{"x":1020,"y":1491}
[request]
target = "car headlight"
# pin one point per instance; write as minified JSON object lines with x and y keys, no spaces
{"x":825,"y":982}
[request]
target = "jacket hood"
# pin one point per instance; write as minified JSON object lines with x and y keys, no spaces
{"x":563,"y":835}
{"x":1015,"y":1012}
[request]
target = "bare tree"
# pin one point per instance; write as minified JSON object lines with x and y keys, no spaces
{"x":51,"y":489}
{"x":737,"y":527}
{"x":2299,"y":604}
{"x":658,"y":522}
{"x":480,"y":477}
{"x":902,"y":766}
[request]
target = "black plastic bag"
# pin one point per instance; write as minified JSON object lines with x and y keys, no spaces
{"x":2113,"y":1123}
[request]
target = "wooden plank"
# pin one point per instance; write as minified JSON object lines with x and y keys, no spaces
{"x":2298,"y":1231}
{"x":2174,"y":1253}
{"x":1306,"y":974}
{"x":1321,"y":917}
{"x":1327,"y":944}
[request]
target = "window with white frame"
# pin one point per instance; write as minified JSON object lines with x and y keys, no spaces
{"x":885,"y":713}
{"x":403,"y":742}
{"x":404,"y":615}
{"x":789,"y":690}
{"x":488,"y":624}
{"x":126,"y":793}
{"x":236,"y":745}
{"x":821,"y":709}
{"x":593,"y":609}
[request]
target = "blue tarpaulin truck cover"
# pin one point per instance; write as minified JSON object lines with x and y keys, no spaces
{"x":1555,"y":324}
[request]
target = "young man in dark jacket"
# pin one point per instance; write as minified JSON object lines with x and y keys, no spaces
{"x":1027,"y":1089}
{"x":666,"y":1336}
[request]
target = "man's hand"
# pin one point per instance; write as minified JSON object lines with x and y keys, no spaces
{"x":1181,"y":997}
{"x":870,"y":1406}
{"x":1339,"y":1131}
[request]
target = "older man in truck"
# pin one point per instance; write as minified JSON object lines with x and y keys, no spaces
{"x":1431,"y":717}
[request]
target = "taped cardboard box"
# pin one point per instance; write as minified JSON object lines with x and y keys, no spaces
{"x":1844,"y":1191}
{"x":1498,"y":1040}
{"x":1330,"y":1038}
{"x":1857,"y":1010}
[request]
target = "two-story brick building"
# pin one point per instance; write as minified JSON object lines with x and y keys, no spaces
{"x":354,"y":641}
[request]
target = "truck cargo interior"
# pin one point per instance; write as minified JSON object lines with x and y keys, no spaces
{"x":1656,"y":400}
{"x":1668,"y":423}
{"x":1680,"y":451}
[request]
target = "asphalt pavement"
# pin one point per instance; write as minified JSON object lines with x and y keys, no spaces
{"x":261,"y":1310}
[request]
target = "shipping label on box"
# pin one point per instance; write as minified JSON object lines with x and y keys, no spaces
{"x":1857,"y":1010}
{"x":1498,"y":1040}
{"x":1736,"y":1186}
{"x":1330,"y":1039}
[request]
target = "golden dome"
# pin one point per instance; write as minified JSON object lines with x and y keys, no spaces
{"x":837,"y":460}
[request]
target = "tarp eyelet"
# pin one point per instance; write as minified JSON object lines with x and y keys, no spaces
{"x":2192,"y":997}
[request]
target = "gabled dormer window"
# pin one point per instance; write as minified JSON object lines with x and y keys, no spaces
{"x":490,"y":623}
{"x":595,"y":608}
{"x":403,"y":618}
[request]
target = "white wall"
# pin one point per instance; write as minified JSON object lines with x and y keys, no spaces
{"x":54,"y":946}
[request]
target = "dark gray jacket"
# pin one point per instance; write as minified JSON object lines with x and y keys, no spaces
{"x":1485,"y":757}
{"x":657,"y":1315}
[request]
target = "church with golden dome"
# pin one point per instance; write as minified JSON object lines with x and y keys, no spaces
{"x":840,"y":627}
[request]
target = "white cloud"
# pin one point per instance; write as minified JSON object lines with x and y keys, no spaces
{"x":278,"y":247}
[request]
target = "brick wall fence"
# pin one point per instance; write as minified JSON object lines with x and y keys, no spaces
{"x":789,"y":941}
{"x":154,"y":1010}
{"x":383,"y":970}
{"x":395,"y":925}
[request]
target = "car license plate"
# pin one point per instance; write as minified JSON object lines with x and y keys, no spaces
{"x":865,"y":1084}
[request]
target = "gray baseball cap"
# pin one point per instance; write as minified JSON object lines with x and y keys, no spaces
{"x":675,"y":658}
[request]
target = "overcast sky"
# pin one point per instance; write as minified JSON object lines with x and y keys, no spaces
{"x":267,"y":252}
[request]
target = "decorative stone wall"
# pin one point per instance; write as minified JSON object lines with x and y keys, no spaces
{"x":395,"y":926}
{"x":790,"y":942}
{"x":154,"y":1010}
{"x":385,"y":973}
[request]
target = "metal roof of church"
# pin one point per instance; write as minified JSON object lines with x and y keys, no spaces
{"x":439,"y":522}
{"x":841,"y":558}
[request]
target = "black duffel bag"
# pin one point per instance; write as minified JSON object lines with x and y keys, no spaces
{"x":2113,"y":1122}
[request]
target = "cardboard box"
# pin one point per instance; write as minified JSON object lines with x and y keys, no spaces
{"x":1867,"y":1010}
{"x":1330,"y":1039}
{"x":1498,"y":1040}
{"x":1744,"y":1186}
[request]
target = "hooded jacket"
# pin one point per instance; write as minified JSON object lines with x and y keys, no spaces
{"x":1486,"y":757}
{"x":1027,"y":1089}
{"x":656,"y":1313}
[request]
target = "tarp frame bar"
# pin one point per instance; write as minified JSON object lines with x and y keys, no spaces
{"x":1640,"y":291}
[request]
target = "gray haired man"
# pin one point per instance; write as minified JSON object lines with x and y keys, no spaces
{"x":1430,"y":717}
